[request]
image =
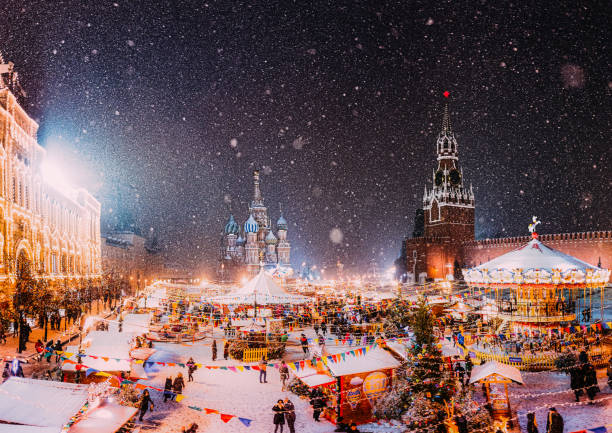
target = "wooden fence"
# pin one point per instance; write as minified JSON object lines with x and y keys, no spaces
{"x":597,"y":356}
{"x":254,"y":355}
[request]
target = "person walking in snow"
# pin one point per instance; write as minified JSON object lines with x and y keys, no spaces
{"x":178,"y":384}
{"x":304,"y":343}
{"x":577,"y":381}
{"x":145,"y":403}
{"x":284,"y":375}
{"x":590,"y":381}
{"x":168,"y":394}
{"x":532,"y":423}
{"x":226,"y":350}
{"x":191,"y":367}
{"x":214,"y":350}
{"x":290,"y":415}
{"x":279,"y":416}
{"x":262,"y":370}
{"x":324,"y":327}
{"x":554,"y":421}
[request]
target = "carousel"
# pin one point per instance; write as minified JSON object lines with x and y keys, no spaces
{"x":537,"y":285}
{"x":261,"y":336}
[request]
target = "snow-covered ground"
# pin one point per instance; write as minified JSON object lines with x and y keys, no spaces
{"x":543,"y":391}
{"x":238,"y":394}
{"x":241,"y":394}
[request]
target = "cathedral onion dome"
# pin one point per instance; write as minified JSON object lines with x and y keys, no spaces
{"x":250,"y":226}
{"x":271,"y":239}
{"x":240,"y":240}
{"x":281,"y":223}
{"x":232,"y":227}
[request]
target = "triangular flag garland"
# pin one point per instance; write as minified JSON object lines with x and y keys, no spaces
{"x":178,"y":397}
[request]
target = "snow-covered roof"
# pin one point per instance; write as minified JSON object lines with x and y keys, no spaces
{"x":106,"y":418}
{"x":400,"y":347}
{"x":40,"y":403}
{"x":137,"y":323}
{"x":261,"y":289}
{"x":108,"y":344}
{"x":480,"y":372}
{"x":374,"y":359}
{"x":536,"y":263}
{"x":20,"y":428}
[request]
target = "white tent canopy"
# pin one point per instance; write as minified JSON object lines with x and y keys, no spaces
{"x":263,"y":290}
{"x":491,"y":368}
{"x":40,"y":403}
{"x":535,"y":262}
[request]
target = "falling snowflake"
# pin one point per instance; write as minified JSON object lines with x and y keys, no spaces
{"x":336,"y":235}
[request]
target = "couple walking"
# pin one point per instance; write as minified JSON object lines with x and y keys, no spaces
{"x":284,"y":411}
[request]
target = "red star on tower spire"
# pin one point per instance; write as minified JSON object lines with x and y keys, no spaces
{"x":446,"y":93}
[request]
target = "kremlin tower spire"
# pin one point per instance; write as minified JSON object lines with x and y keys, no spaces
{"x":449,"y":203}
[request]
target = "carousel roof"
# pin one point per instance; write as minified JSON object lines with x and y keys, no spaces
{"x":536,"y":263}
{"x":263,"y":290}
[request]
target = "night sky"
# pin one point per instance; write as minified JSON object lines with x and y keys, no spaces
{"x":170,"y":105}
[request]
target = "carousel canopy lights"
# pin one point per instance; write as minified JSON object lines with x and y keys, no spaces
{"x":536,"y":263}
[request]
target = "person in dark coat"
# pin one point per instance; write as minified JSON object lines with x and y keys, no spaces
{"x":461,"y":423}
{"x":590,"y":381}
{"x":226,"y":350}
{"x":279,"y":417}
{"x":168,"y":394}
{"x":57,"y":348}
{"x":304,"y":343}
{"x":284,"y":375}
{"x":554,"y":421}
{"x":214,"y":350}
{"x":191,"y":367}
{"x":583,"y":358}
{"x":178,"y":384}
{"x":577,"y":381}
{"x":145,"y":403}
{"x":532,"y":424}
{"x":290,"y":415}
{"x":318,"y":403}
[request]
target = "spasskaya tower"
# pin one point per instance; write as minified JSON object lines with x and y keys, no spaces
{"x":449,"y":206}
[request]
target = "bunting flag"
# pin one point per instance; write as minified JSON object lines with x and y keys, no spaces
{"x":602,"y":429}
{"x":225,"y":417}
{"x":245,"y":421}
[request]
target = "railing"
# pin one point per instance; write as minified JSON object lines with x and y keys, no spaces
{"x":597,"y":356}
{"x":254,"y":355}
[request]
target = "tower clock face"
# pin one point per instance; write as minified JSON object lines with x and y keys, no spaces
{"x":455,"y":177}
{"x":439,"y":178}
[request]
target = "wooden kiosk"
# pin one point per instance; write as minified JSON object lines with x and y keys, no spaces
{"x":493,"y":374}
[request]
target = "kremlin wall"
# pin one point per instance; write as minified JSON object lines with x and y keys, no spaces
{"x":443,"y":240}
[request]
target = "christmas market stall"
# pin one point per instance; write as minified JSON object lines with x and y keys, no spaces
{"x":102,"y":351}
{"x":41,"y":406}
{"x":363,"y":375}
{"x":493,"y":375}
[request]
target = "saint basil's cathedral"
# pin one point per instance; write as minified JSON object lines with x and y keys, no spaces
{"x":443,"y":239}
{"x":247,"y":249}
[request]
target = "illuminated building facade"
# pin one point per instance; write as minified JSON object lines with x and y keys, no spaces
{"x":53,"y":228}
